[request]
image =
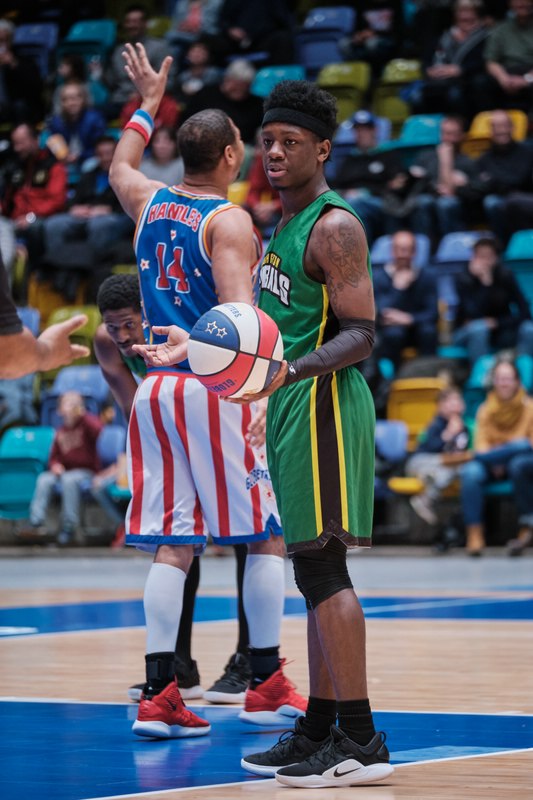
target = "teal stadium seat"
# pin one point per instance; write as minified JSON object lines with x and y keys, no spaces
{"x":518,"y":257}
{"x":91,"y":37}
{"x":24,"y":454}
{"x":267,"y":77}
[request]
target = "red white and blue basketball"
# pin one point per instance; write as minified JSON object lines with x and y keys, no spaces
{"x":235,"y":349}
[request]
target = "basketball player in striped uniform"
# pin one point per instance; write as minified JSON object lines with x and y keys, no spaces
{"x":192,"y":467}
{"x":119,"y":303}
{"x":316,"y":283}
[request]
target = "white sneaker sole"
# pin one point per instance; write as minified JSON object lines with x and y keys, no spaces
{"x":224,"y":697}
{"x":160,"y":730}
{"x":371,"y":774}
{"x":282,"y":716}
{"x":258,"y":769}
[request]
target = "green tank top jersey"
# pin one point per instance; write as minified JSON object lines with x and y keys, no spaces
{"x":320,"y":440}
{"x":135,"y":364}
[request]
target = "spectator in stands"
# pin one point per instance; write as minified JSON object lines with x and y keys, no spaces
{"x":34,"y":186}
{"x":82,"y":237}
{"x":198,"y":72}
{"x":377,"y":35}
{"x":163,"y":163}
{"x":503,"y":442}
{"x":367,"y":174}
{"x":234,"y":97}
{"x":71,"y":67}
{"x":20,"y":82}
{"x":506,"y":167}
{"x":492,"y":313}
{"x":261,"y":26}
{"x":73,"y":460}
{"x":438,"y":456}
{"x":406,"y":303}
{"x":193,"y":21}
{"x":455,"y":79}
{"x":79,"y":125}
{"x":440,"y":208}
{"x":134,"y":27}
{"x":509,"y":58}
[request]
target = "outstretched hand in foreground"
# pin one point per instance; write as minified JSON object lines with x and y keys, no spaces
{"x":166,"y":353}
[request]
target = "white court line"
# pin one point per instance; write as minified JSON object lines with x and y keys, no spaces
{"x":273,"y":780}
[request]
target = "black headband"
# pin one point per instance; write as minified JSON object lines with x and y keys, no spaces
{"x":300,"y":119}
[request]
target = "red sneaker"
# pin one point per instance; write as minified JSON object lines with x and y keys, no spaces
{"x":166,"y":717}
{"x":273,"y":702}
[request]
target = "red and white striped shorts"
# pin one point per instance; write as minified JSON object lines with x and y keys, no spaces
{"x":191,"y":470}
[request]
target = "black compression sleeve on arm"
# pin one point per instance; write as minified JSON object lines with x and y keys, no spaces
{"x":353,"y":343}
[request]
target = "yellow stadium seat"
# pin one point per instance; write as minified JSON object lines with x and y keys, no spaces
{"x":414,"y":400}
{"x":348,"y":82}
{"x":238,"y":191}
{"x":477,"y":138}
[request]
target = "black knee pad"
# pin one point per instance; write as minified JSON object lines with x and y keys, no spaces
{"x":319,"y":574}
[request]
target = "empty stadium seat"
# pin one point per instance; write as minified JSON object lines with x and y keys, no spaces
{"x":348,"y":82}
{"x":267,"y":77}
{"x":37,"y":40}
{"x":95,"y":37}
{"x":414,"y":401}
{"x":24,"y":453}
{"x":335,"y":18}
{"x":30,"y":318}
{"x":386,"y":100}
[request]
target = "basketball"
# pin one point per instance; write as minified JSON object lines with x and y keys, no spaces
{"x":235,"y":349}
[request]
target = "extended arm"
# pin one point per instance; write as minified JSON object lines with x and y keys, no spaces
{"x":121,"y":382}
{"x":132,"y":188}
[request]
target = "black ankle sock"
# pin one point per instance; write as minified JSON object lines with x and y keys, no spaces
{"x":355,"y":719}
{"x":264,"y":661}
{"x":319,"y":718}
{"x":160,"y":671}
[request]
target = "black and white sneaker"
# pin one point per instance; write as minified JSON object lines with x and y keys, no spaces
{"x":340,"y":762}
{"x":188,"y":682}
{"x":291,"y":748}
{"x":231,"y":686}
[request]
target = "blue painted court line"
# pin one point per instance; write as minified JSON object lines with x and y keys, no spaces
{"x":129,"y":613}
{"x":71,"y":751}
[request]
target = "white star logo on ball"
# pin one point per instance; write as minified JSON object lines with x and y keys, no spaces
{"x":211,"y":327}
{"x":145,"y":264}
{"x":222,"y":332}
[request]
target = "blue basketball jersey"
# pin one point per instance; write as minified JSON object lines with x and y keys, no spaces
{"x":173,"y":259}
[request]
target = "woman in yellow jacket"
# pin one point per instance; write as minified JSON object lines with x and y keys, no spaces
{"x":503,"y":448}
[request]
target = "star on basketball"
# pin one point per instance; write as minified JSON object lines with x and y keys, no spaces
{"x":211,"y":327}
{"x":222,"y":332}
{"x":145,"y":263}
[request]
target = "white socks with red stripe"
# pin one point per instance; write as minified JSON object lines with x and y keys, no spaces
{"x":263,"y":598}
{"x":163,"y":603}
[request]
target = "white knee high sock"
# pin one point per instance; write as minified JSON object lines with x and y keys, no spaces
{"x":263,"y":597}
{"x":163,"y":602}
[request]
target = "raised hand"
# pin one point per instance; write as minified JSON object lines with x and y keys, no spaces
{"x":150,"y":84}
{"x":167,"y":353}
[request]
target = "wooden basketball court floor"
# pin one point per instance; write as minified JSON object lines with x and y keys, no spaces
{"x":450,"y":655}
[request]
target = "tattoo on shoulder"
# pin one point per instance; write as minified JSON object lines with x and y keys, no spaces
{"x":344,"y":249}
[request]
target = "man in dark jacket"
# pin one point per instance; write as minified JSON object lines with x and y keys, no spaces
{"x":82,"y":238}
{"x":406,"y":303}
{"x":492,"y":314}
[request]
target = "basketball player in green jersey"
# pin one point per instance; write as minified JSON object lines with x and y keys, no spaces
{"x":316,"y":283}
{"x":119,"y":302}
